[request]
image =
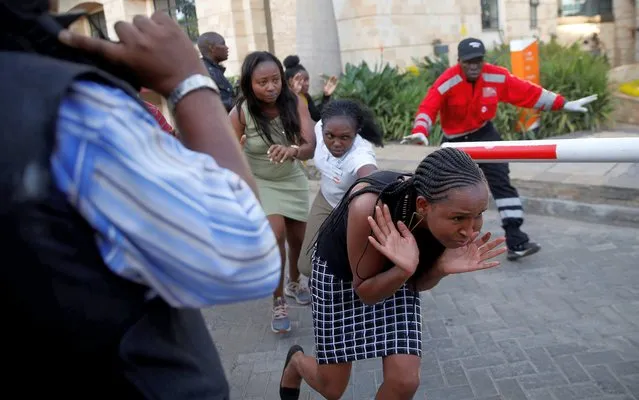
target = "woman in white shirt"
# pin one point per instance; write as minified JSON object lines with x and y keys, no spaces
{"x":345,"y":137}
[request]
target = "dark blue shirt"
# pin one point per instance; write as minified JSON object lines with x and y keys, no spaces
{"x":226,"y":89}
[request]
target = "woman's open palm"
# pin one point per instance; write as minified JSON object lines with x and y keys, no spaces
{"x":330,"y":86}
{"x":472,"y":257}
{"x":395,"y":243}
{"x":298,"y":83}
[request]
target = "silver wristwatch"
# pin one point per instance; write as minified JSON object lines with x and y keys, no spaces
{"x":193,"y":82}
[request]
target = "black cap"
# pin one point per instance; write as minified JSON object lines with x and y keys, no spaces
{"x":470,"y":48}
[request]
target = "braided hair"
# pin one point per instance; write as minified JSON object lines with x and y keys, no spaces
{"x":362,"y":118}
{"x":438,"y":173}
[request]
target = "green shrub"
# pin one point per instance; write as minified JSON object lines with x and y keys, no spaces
{"x":573,"y":73}
{"x":394,"y":95}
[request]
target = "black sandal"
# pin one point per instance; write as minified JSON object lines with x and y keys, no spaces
{"x":290,"y":393}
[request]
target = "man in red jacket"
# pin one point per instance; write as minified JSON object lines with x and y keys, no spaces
{"x":466,"y":97}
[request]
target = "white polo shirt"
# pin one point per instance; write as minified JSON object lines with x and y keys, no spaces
{"x":338,"y":174}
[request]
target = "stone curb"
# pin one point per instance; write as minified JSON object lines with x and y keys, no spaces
{"x":581,"y":193}
{"x":586,"y":212}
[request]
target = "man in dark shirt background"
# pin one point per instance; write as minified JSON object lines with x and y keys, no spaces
{"x":215,"y":51}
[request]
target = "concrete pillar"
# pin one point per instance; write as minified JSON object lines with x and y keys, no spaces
{"x":637,"y":31}
{"x":317,"y":40}
{"x":625,"y":31}
{"x":284,"y":21}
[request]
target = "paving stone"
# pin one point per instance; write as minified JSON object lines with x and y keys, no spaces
{"x":544,"y":380}
{"x":540,"y":359}
{"x":512,"y":370}
{"x":631,"y":383}
{"x":512,"y":351}
{"x":484,"y":361}
{"x":482,"y":383}
{"x":599,"y":357}
{"x":485,"y":343}
{"x":606,"y":381}
{"x":447,"y":393}
{"x":454,"y":373}
{"x":509,"y":389}
{"x":578,"y":392}
{"x":572,"y":369}
{"x":437,"y":329}
{"x":625,"y":368}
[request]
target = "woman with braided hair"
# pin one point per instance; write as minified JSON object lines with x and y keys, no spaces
{"x":392,"y":236}
{"x":344,"y":152}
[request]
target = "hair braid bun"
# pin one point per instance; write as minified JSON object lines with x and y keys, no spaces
{"x":445,"y":169}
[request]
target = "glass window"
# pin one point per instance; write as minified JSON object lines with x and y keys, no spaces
{"x":489,"y":14}
{"x":183,"y":11}
{"x":586,"y":8}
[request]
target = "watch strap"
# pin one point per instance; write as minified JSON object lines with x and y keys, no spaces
{"x":190,"y":84}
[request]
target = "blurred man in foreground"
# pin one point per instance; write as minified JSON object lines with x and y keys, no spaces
{"x":114,"y":234}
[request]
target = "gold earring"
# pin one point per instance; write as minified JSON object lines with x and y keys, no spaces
{"x":410,"y":223}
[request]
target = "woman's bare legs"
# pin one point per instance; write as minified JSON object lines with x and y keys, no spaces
{"x":280,"y":322}
{"x":401,"y":377}
{"x":295,"y":237}
{"x":329,"y":380}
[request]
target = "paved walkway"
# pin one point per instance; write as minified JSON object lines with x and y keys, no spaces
{"x":561,"y":325}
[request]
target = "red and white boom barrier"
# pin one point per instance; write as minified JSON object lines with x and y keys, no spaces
{"x":593,"y":150}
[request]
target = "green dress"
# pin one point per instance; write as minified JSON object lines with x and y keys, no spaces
{"x":283,"y":187}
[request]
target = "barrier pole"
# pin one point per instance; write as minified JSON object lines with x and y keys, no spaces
{"x":591,"y":150}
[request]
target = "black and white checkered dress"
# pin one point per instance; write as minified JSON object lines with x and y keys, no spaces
{"x":348,"y":330}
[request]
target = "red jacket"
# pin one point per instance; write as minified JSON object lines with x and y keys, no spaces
{"x":464,"y":107}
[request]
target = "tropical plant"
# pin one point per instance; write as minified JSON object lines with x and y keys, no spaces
{"x":394,"y":94}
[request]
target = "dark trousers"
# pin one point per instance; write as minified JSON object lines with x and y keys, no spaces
{"x":506,"y":197}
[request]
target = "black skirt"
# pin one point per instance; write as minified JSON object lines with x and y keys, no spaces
{"x":348,"y":330}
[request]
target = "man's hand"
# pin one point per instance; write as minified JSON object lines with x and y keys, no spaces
{"x":415,"y":138}
{"x":578,"y":105}
{"x":155,"y":49}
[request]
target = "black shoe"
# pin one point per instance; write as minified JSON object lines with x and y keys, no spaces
{"x":523,"y":250}
{"x":290,"y":393}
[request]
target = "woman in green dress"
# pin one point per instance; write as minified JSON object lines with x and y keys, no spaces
{"x":276,"y":131}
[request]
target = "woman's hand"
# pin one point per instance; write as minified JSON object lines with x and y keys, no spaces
{"x":278,"y":153}
{"x":297,"y":83}
{"x":472,"y":257}
{"x":330,"y":86}
{"x":396,"y":244}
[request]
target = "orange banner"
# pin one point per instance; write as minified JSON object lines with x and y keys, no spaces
{"x":524,"y":57}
